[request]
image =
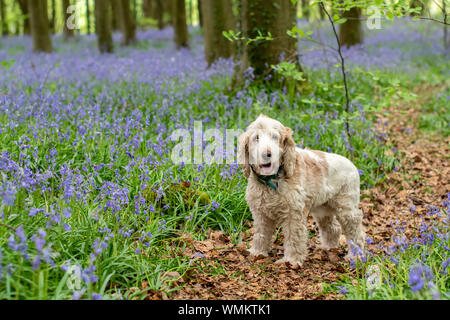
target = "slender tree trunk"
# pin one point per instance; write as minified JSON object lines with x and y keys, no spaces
{"x":200,"y":12}
{"x":88,"y":17}
{"x":305,"y":9}
{"x":127,"y":22}
{"x":116,"y":22}
{"x":350,"y":32}
{"x":53,"y":17}
{"x":68,"y":32}
{"x":218,"y":17}
{"x":276,"y":17}
{"x":23,"y":4}
{"x":158,"y":13}
{"x":4,"y":23}
{"x":321,"y":13}
{"x":189,"y":13}
{"x":446,"y":36}
{"x":39,"y":26}
{"x":168,"y":11}
{"x":147,"y":8}
{"x":179,"y":24}
{"x":103,"y":25}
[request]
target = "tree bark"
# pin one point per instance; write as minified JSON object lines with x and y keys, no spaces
{"x":147,"y":8}
{"x":158,"y":13}
{"x":218,"y":17}
{"x":88,"y":17}
{"x":168,"y":11}
{"x":350,"y":32}
{"x":127,"y":22}
{"x":68,"y":32}
{"x":276,"y":17}
{"x":40,"y":30}
{"x":181,"y":35}
{"x":53,"y":17}
{"x":116,"y":22}
{"x":23,"y":4}
{"x":103,"y":25}
{"x":200,"y":13}
{"x":4,"y":23}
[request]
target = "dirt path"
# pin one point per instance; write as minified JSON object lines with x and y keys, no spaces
{"x":226,"y":271}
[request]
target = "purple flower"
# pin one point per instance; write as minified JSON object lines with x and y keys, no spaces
{"x":342,"y":290}
{"x":444,"y":266}
{"x":96,"y":296}
{"x":35,"y":211}
{"x":419,"y":276}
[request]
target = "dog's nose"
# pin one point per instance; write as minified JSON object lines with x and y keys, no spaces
{"x":267,"y":154}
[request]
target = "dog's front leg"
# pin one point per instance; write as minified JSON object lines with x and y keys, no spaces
{"x":262,"y":238}
{"x":295,"y":238}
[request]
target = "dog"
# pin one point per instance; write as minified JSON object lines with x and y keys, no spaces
{"x":286,"y":183}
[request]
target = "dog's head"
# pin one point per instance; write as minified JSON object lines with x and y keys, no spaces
{"x":266,"y":145}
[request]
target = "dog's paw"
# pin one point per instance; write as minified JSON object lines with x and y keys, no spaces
{"x":289,"y":262}
{"x":257,"y":253}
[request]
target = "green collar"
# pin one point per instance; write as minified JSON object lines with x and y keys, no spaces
{"x":267,"y":179}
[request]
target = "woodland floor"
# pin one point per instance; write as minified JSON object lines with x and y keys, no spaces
{"x":227,"y":272}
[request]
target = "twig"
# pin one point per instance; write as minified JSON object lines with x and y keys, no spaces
{"x":435,"y":20}
{"x":7,"y":226}
{"x":344,"y":76}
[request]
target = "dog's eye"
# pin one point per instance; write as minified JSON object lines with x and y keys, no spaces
{"x":275,"y":137}
{"x":256,"y":138}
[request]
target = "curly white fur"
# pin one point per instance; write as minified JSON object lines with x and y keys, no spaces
{"x":323,"y":184}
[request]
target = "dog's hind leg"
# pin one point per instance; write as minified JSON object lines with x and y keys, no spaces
{"x":350,"y":218}
{"x":329,"y":227}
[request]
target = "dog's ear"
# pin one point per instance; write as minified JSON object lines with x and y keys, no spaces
{"x":242,"y":154}
{"x":289,"y":154}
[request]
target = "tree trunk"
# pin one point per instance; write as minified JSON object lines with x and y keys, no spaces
{"x":53,"y":17}
{"x":158,"y":13}
{"x":39,"y":26}
{"x":147,"y":8}
{"x":168,"y":11}
{"x":305,"y":9}
{"x":23,"y":4}
{"x":276,"y":17}
{"x":127,"y":22}
{"x":103,"y":25}
{"x":116,"y":22}
{"x":350,"y":32}
{"x":200,"y":13}
{"x":68,"y":32}
{"x":181,"y":35}
{"x":189,"y":13}
{"x":218,"y":17}
{"x":88,"y":17}
{"x":4,"y":23}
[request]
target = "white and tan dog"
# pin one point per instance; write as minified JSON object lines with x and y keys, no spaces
{"x":285,"y":183}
